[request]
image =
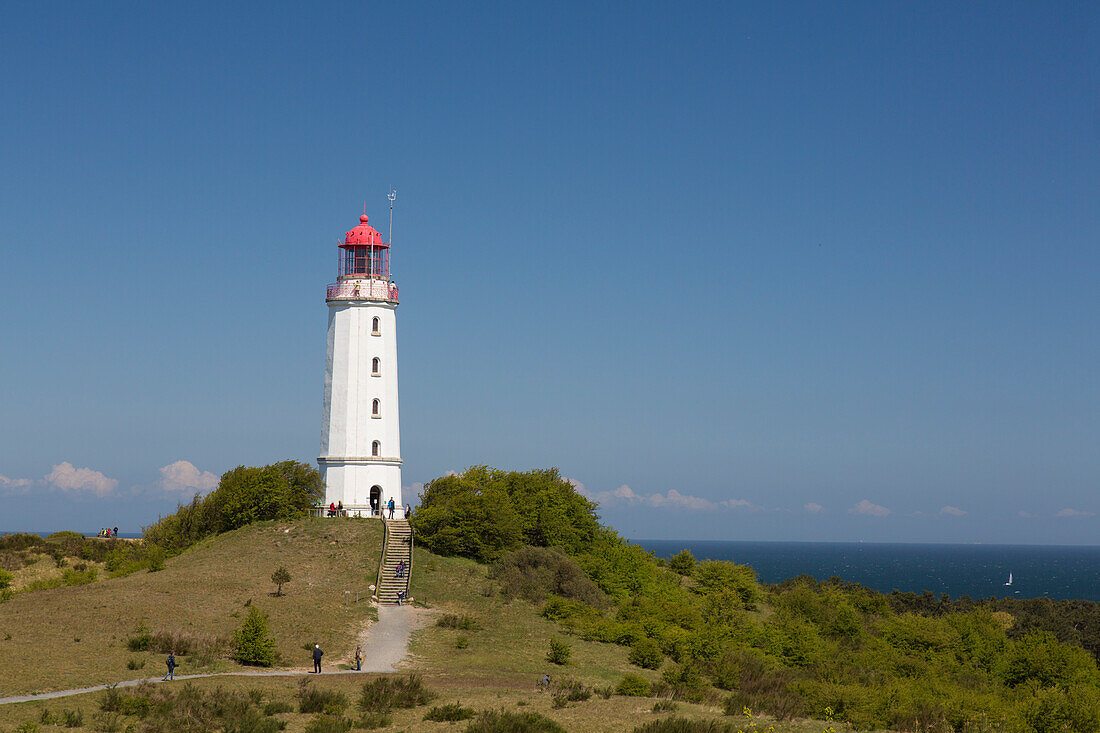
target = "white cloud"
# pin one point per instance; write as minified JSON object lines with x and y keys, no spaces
{"x":813,"y":507}
{"x":67,"y":478}
{"x":952,"y":511}
{"x":451,"y":472}
{"x":624,"y":493}
{"x":867,"y":508}
{"x":1067,"y":512}
{"x":1027,"y":515}
{"x":15,"y":485}
{"x":183,"y":476}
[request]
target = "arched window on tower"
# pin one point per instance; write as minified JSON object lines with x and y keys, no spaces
{"x":374,"y":327}
{"x":376,"y":448}
{"x":376,"y":367}
{"x":376,"y":408}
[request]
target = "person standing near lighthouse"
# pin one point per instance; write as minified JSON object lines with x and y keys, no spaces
{"x":360,"y":458}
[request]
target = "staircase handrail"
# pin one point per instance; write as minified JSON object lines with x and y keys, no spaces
{"x":382,"y":560}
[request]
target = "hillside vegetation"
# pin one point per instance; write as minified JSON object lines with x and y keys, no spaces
{"x":792,"y":650}
{"x":76,"y":636}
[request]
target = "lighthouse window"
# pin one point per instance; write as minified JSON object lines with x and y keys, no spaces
{"x":376,"y":408}
{"x":376,"y":448}
{"x":376,"y":367}
{"x":374,"y":327}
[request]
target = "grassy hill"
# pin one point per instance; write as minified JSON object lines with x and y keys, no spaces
{"x":78,"y":636}
{"x":202,"y":594}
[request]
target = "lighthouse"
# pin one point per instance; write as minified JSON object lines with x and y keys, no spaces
{"x":360,"y":457}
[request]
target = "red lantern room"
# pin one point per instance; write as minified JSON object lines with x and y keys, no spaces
{"x":364,"y":254}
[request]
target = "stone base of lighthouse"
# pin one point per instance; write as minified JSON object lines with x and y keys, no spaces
{"x":363,"y":485}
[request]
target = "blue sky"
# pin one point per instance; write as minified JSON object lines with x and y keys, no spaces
{"x":817,"y":271}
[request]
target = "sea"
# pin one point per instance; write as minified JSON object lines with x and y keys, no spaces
{"x":978,"y":571}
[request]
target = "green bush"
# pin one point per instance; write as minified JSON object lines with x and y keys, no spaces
{"x":645,"y":653}
{"x":484,"y":512}
{"x":454,"y":621}
{"x":569,"y":690}
{"x":682,"y":562}
{"x":252,"y":642}
{"x":312,"y":700}
{"x":5,"y":579}
{"x":370,"y":721}
{"x":141,"y":639}
{"x":72,"y":719}
{"x":72,"y":576}
{"x":633,"y":685}
{"x":533,"y":573}
{"x":328,"y":724}
{"x":280,"y":577}
{"x":244,"y":495}
{"x":684,"y":725}
{"x":685,"y":681}
{"x":450,"y":713}
{"x":383,"y":694}
{"x":665,"y":706}
{"x":278,"y":706}
{"x":503,"y":721}
{"x":559,"y":652}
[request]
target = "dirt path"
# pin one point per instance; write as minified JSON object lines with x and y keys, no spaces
{"x":385,"y":645}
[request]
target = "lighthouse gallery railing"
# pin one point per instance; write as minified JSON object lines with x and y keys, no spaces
{"x":374,"y":289}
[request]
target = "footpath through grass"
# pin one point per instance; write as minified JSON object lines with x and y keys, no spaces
{"x":78,"y":636}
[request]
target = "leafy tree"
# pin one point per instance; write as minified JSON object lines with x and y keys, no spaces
{"x":279,"y":577}
{"x":252,"y":643}
{"x":682,"y":562}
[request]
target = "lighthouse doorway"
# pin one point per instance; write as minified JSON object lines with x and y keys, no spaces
{"x":376,"y":501}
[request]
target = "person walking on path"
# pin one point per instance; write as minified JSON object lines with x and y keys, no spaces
{"x":358,"y":659}
{"x":391,"y":507}
{"x":171,"y":662}
{"x":317,"y":654}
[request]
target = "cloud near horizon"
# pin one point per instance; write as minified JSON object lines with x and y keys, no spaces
{"x":953,"y":511}
{"x":866,"y":508}
{"x":15,"y":485}
{"x":813,"y":507}
{"x":1068,"y":512}
{"x":184,"y":476}
{"x":66,"y":477}
{"x":672,"y":498}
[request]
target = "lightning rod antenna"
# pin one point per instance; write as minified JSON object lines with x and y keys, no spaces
{"x":392,"y":196}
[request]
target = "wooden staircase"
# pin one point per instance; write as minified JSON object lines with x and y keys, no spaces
{"x":397,"y":547}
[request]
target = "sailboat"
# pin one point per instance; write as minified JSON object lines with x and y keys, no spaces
{"x":1009,"y":579}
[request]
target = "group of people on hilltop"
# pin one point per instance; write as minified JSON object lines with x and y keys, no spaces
{"x":108,"y":532}
{"x":336,"y":509}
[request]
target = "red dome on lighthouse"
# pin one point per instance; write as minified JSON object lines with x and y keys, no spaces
{"x":364,"y":235}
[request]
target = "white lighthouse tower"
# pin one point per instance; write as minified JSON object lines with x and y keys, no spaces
{"x":360,"y":457}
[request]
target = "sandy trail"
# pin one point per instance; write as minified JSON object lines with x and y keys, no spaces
{"x":385,"y":645}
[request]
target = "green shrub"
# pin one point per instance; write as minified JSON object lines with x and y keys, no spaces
{"x":454,"y":621}
{"x":280,"y":577}
{"x":72,"y":719}
{"x":1052,"y":710}
{"x":141,"y":639}
{"x":633,"y":685}
{"x":533,"y":573}
{"x":449,"y":713}
{"x":684,"y":725}
{"x":645,"y":653}
{"x":569,"y":690}
{"x":559,"y":652}
{"x":370,"y":721}
{"x":312,"y":700}
{"x":665,"y":706}
{"x":462,"y":642}
{"x":252,"y":642}
{"x":72,"y":576}
{"x":5,"y":579}
{"x":502,"y":721}
{"x":276,"y":707}
{"x":383,"y":694}
{"x":484,"y":512}
{"x":682,"y":563}
{"x":154,"y":559}
{"x":328,"y":724}
{"x":685,"y":681}
{"x":134,"y":663}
